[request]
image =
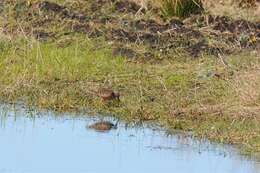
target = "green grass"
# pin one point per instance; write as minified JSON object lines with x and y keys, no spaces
{"x":180,"y":8}
{"x":180,"y":93}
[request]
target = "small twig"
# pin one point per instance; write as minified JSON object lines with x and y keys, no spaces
{"x":224,"y":62}
{"x":162,"y":83}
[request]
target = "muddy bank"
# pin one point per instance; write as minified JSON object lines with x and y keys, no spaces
{"x":116,"y":22}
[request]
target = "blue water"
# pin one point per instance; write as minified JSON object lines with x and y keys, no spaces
{"x":41,"y":142}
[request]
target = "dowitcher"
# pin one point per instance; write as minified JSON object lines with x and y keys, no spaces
{"x":108,"y":94}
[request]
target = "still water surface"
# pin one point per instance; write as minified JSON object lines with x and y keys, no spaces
{"x":40,"y":142}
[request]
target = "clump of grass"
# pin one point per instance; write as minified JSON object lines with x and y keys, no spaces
{"x":181,"y":8}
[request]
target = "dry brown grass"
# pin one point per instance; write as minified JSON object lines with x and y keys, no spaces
{"x":232,"y":9}
{"x":246,"y":86}
{"x":219,"y":7}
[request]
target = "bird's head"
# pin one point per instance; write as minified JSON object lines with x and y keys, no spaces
{"x":116,"y":95}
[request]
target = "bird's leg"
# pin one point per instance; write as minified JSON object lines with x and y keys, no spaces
{"x":143,"y":7}
{"x":139,"y":11}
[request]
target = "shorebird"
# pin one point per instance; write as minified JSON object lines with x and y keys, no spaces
{"x":108,"y":94}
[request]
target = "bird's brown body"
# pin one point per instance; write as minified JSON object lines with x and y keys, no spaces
{"x":108,"y":94}
{"x":103,"y":126}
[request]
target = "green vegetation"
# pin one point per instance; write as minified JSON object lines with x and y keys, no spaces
{"x":181,"y":8}
{"x":180,"y":94}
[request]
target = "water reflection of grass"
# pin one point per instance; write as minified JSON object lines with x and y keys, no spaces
{"x":201,"y":95}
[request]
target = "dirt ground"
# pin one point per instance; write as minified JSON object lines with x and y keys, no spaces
{"x":117,"y":23}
